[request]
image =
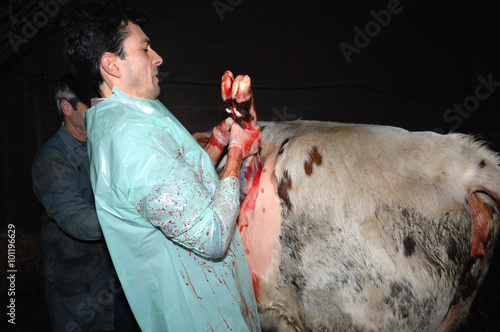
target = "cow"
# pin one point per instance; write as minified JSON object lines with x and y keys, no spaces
{"x":355,"y":227}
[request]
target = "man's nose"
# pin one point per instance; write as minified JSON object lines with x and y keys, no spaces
{"x":157,"y":60}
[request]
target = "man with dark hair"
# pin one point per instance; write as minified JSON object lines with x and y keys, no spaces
{"x":169,"y":221}
{"x":81,"y":287}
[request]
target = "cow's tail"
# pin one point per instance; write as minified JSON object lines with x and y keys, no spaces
{"x":483,"y":198}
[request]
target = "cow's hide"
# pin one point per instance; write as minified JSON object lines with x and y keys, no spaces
{"x":368,"y":228}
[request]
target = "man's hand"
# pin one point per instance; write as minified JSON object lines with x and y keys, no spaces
{"x":247,"y":140}
{"x":221,"y":132}
{"x":218,"y":140}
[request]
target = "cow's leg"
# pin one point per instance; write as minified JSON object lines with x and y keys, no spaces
{"x":226,"y":88}
{"x":237,"y":94}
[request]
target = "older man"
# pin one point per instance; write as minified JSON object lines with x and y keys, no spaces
{"x":81,"y":288}
{"x":168,"y":219}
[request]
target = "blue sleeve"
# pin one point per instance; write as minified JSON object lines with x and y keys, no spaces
{"x":56,"y":187}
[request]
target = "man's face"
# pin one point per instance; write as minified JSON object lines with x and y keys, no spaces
{"x":77,"y":115}
{"x":139,"y":68}
{"x":73,"y":118}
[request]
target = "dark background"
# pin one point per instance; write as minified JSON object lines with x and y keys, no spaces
{"x":413,"y":72}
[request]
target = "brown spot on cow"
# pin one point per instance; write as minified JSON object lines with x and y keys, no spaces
{"x":405,"y":213}
{"x":284,"y":185}
{"x":314,"y":158}
{"x":409,"y":244}
{"x":263,"y":159}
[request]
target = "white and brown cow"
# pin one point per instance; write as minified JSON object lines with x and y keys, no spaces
{"x":367,"y":228}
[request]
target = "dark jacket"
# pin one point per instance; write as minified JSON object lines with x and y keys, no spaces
{"x":79,"y":278}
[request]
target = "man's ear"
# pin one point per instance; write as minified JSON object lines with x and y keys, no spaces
{"x":66,"y":107}
{"x":110,"y":65}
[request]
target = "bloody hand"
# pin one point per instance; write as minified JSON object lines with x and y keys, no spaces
{"x":247,"y":140}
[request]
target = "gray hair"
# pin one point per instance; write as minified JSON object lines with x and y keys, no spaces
{"x":71,"y":89}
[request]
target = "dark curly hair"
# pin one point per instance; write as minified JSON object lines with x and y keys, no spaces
{"x":93,"y":28}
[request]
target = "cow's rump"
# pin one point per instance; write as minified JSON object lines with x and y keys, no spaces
{"x":364,"y":227}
